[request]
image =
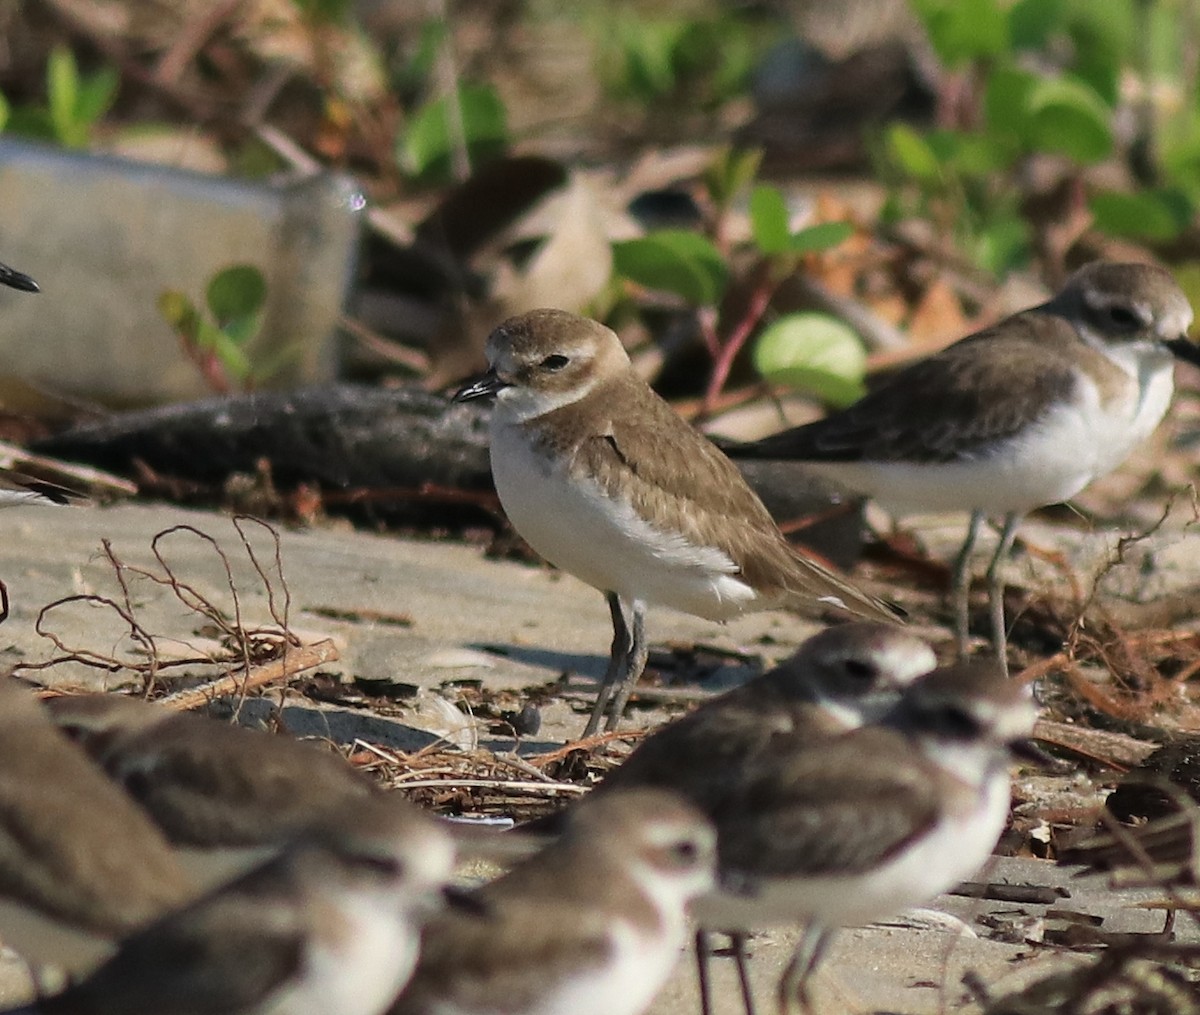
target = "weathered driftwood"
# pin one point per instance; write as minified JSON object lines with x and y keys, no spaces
{"x":395,"y":449}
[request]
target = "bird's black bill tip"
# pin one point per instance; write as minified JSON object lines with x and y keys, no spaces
{"x":17,"y":280}
{"x":1185,"y":349}
{"x":486,"y":385}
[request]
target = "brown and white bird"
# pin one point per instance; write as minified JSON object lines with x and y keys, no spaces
{"x":592,"y":925}
{"x":856,"y":828}
{"x":80,"y":863}
{"x":208,"y":784}
{"x":1023,"y":414}
{"x":329,"y":927}
{"x":601,"y":477}
{"x":837,"y":681}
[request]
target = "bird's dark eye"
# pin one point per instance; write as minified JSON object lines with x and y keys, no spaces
{"x":860,"y":671}
{"x":1123,"y":317}
{"x":555,"y":362}
{"x":685,"y":852}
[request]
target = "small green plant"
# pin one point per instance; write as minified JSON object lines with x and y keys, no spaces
{"x":219,"y":342}
{"x":648,"y":58}
{"x":811,"y":351}
{"x":1053,"y":76}
{"x":75,"y":102}
{"x":447,"y":136}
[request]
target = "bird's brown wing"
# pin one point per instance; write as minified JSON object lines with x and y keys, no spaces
{"x":790,"y":818}
{"x":670,"y":472}
{"x":173,"y":966}
{"x":944,"y":408}
{"x":501,"y":956}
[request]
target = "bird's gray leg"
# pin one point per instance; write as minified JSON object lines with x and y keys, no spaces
{"x":793,"y":986}
{"x":635,"y":664}
{"x":617,"y":657}
{"x":703,"y":953}
{"x":737,"y":939}
{"x":995,"y":586}
{"x":960,"y":588}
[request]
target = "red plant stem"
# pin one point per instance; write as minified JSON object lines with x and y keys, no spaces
{"x":760,"y":299}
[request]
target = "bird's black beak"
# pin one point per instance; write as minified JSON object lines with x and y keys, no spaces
{"x":484,"y":386}
{"x":17,"y":279}
{"x":1185,"y":349}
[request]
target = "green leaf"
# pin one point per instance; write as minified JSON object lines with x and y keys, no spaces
{"x":1006,"y":100}
{"x":96,"y":96}
{"x":963,"y":30}
{"x":651,"y":46}
{"x":824,"y":236}
{"x":1154,"y":215}
{"x":769,"y":220}
{"x":231,"y":356}
{"x":180,"y":312}
{"x":730,"y":172}
{"x":1069,"y":117}
{"x":329,"y":12}
{"x":815,"y":353}
{"x":62,"y":93}
{"x":907,"y":150}
{"x":675,"y":261}
{"x":1001,"y":245}
{"x":972,"y":154}
{"x":236,"y":292}
{"x":1031,"y":22}
{"x":5,"y":110}
{"x":425,"y":149}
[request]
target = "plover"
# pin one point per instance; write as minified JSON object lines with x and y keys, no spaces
{"x":208,"y":784}
{"x":602,"y":478}
{"x":1023,"y":414}
{"x":329,"y":927}
{"x":592,"y":925}
{"x":858,"y":827}
{"x":81,"y":863}
{"x":838,"y":680}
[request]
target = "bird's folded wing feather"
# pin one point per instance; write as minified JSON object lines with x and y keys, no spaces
{"x":706,"y":502}
{"x":255,"y":944}
{"x":943,"y":408}
{"x":831,"y":809}
{"x":501,"y":959}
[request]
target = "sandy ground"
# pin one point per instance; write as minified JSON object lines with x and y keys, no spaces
{"x":440,"y":612}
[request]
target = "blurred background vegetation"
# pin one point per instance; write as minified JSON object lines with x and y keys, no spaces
{"x":789,"y":192}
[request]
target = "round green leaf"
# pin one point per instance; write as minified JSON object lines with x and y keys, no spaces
{"x":1155,"y":215}
{"x":1006,"y":100}
{"x":676,"y":261}
{"x":815,"y":353}
{"x":963,"y":30}
{"x":236,"y":293}
{"x":1068,"y":116}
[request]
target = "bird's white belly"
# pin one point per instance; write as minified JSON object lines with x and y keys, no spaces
{"x":1051,"y":461}
{"x":604,"y":542}
{"x":952,"y":852}
{"x":638,"y":967}
{"x":377,"y":957}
